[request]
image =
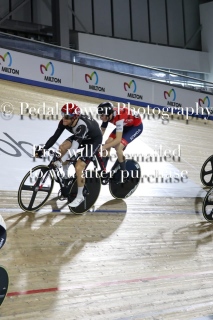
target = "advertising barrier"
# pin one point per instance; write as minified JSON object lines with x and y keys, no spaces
{"x":29,"y":69}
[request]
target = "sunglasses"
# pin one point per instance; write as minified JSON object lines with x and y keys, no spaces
{"x":102,"y":115}
{"x":67,"y":116}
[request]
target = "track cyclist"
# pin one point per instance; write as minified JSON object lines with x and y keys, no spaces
{"x":128,"y":127}
{"x":85,"y":133}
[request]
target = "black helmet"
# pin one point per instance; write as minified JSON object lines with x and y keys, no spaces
{"x":105,"y":108}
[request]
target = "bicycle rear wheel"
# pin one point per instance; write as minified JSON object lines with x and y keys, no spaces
{"x":206,"y":172}
{"x":35,"y":188}
{"x":207,"y":207}
{"x":124,"y":190}
{"x":3,"y":284}
{"x":91,"y":192}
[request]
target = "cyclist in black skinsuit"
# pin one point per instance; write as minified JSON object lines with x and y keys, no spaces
{"x":86,"y":133}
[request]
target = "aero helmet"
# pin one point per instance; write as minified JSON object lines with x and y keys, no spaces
{"x":105,"y":108}
{"x":71,"y":110}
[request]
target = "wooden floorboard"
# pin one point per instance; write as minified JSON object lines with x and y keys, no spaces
{"x":147,"y":257}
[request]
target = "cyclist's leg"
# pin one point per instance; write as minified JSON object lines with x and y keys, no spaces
{"x":90,"y":148}
{"x":79,"y":168}
{"x":129,"y":134}
{"x":119,"y":149}
{"x":121,"y":174}
{"x":64,"y":151}
{"x":64,"y":147}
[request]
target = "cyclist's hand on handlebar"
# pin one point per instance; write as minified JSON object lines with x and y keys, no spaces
{"x":101,"y":148}
{"x":39,"y":152}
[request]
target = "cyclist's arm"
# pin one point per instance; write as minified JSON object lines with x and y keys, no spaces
{"x":55,"y":137}
{"x":114,"y":142}
{"x":119,"y":134}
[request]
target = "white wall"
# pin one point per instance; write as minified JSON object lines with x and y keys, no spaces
{"x":145,"y":54}
{"x":206,"y":11}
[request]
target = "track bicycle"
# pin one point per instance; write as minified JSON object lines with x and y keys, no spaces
{"x":206,"y":172}
{"x":38,"y":183}
{"x":206,"y":177}
{"x":4,"y":283}
{"x":207,"y":207}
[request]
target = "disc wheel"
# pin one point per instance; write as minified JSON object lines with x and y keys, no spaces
{"x":91,"y":192}
{"x":35,"y":188}
{"x":206,"y":172}
{"x":207,"y":207}
{"x":3,"y":284}
{"x":124,"y":190}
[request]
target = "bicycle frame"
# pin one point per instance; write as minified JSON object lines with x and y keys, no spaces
{"x":29,"y":200}
{"x":100,"y":161}
{"x":105,"y":176}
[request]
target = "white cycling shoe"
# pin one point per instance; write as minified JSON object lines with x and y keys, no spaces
{"x":76,"y":202}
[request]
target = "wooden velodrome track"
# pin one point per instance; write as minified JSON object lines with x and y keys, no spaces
{"x":148,"y":257}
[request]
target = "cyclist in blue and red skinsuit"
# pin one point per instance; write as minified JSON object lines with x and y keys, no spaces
{"x":128,"y":127}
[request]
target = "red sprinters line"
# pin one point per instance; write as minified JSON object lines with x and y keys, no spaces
{"x":108,"y":284}
{"x":20,"y":293}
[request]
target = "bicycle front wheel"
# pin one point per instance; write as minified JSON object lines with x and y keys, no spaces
{"x":35,"y":188}
{"x":207,"y":207}
{"x":206,"y":172}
